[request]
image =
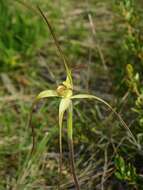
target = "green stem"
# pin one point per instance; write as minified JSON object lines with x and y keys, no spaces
{"x":71,"y":147}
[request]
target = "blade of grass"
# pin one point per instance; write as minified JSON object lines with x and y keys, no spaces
{"x":26,"y":169}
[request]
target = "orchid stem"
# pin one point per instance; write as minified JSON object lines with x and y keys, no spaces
{"x":60,"y":157}
{"x":71,"y":147}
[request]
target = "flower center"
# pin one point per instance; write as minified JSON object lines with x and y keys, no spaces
{"x":63,"y":91}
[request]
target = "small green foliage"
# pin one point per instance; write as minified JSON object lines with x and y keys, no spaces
{"x":133,"y":79}
{"x":18,"y":34}
{"x":127,"y":9}
{"x":124,"y":171}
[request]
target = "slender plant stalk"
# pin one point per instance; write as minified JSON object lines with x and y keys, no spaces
{"x":71,"y":147}
{"x":66,"y":64}
{"x":60,"y":156}
{"x":32,"y":127}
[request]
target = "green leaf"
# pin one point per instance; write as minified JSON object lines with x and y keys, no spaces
{"x":119,"y":175}
{"x":120,"y":164}
{"x":47,"y":94}
{"x":88,"y":96}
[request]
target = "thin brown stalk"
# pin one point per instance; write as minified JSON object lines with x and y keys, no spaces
{"x":32,"y":127}
{"x":60,"y":159}
{"x":38,"y":10}
{"x":71,"y":147}
{"x":72,"y":164}
{"x":66,"y":64}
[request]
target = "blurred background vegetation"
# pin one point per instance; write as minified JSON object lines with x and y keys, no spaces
{"x":103,"y":40}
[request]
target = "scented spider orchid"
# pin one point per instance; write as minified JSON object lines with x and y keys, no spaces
{"x":65,"y":92}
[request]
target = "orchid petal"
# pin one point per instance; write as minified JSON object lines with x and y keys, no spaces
{"x":41,"y":95}
{"x":88,"y":96}
{"x":47,"y":94}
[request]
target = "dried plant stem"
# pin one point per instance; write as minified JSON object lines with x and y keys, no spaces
{"x":32,"y":127}
{"x":71,"y":157}
{"x":71,"y":147}
{"x":60,"y":158}
{"x":63,"y":57}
